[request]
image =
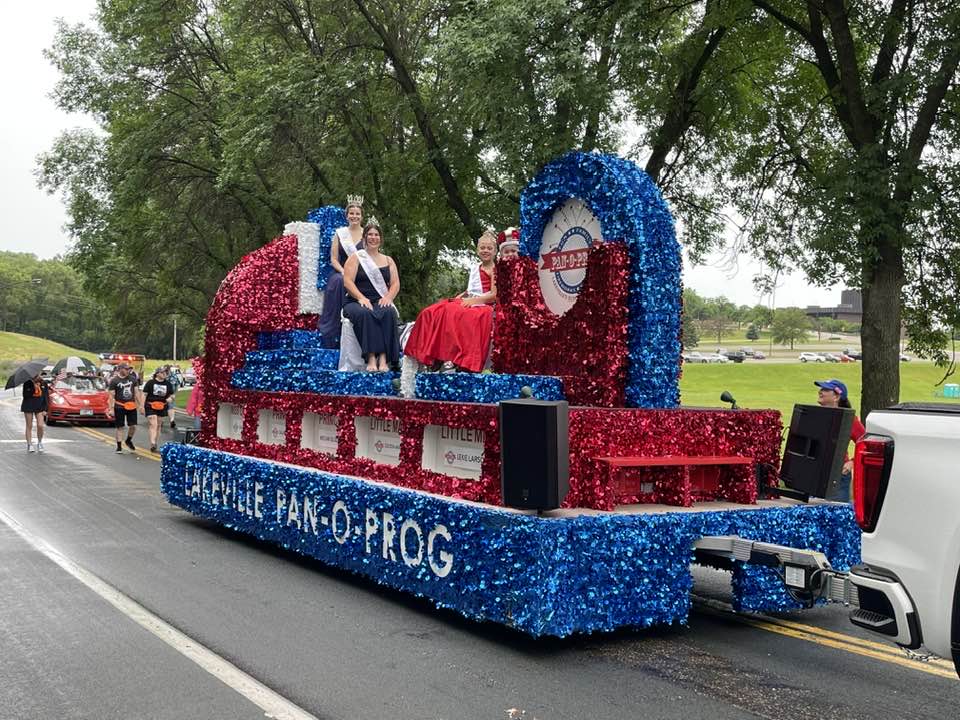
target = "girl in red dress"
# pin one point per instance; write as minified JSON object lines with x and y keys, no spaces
{"x":458,"y":329}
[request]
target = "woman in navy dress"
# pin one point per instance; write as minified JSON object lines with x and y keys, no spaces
{"x":372,"y":283}
{"x":345,"y":242}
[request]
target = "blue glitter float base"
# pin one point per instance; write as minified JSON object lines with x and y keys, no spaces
{"x":542,"y":575}
{"x":485,"y":387}
{"x":288,"y":377}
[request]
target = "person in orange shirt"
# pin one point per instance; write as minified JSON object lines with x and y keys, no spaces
{"x":127,"y":399}
{"x":833,"y":393}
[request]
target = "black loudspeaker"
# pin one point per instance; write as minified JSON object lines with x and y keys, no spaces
{"x":534,"y":453}
{"x":816,"y":445}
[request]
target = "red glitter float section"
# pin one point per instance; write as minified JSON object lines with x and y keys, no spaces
{"x":587,"y":347}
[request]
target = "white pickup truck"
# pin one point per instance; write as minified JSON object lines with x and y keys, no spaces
{"x":907,"y":502}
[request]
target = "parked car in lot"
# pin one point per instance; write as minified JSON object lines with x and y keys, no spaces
{"x":694,"y":357}
{"x":189,"y":377}
{"x":831,"y":357}
{"x":852,"y":353}
{"x":811,"y":357}
{"x":759,"y":355}
{"x":737,"y":356}
{"x":78,"y":399}
{"x":905,"y":358}
{"x":716,"y":358}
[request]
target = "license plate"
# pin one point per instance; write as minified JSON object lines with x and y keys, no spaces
{"x":86,"y":411}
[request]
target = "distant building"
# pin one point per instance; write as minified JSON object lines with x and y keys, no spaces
{"x":849,"y":310}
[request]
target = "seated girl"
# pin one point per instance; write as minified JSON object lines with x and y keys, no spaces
{"x":372,"y":283}
{"x":458,"y":329}
{"x":345,"y":242}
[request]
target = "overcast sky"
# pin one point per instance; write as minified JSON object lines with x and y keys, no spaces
{"x":33,"y":221}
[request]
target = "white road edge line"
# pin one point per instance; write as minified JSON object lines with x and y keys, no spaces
{"x":274,"y":705}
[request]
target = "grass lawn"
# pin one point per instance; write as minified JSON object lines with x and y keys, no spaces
{"x":780,"y":386}
{"x":16,"y":349}
{"x":183,"y":396}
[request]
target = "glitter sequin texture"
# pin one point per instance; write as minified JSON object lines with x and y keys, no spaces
{"x":542,"y":575}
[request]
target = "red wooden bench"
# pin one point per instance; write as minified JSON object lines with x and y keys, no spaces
{"x":699,"y":477}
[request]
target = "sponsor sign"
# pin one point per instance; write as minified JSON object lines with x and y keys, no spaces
{"x":272,"y":427}
{"x":565,"y":252}
{"x":320,"y":433}
{"x":378,"y":439}
{"x":453,"y":451}
{"x":230,"y":421}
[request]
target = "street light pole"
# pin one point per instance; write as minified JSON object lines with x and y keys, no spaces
{"x":174,"y":338}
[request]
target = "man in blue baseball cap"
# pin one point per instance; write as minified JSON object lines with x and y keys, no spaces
{"x":833,"y":393}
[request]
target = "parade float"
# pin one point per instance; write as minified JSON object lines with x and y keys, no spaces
{"x":409,"y":491}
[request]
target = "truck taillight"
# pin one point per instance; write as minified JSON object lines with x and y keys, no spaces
{"x":872,"y":462}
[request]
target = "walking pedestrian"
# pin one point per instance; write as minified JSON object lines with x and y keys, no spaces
{"x":34,"y":409}
{"x":175,"y":381}
{"x":127,"y":398}
{"x":158,"y":393}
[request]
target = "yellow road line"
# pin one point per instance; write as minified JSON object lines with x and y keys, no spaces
{"x":852,"y":648}
{"x":888,"y":648}
{"x":111,"y":439}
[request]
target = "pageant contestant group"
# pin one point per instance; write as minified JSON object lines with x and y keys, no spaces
{"x":453,"y":333}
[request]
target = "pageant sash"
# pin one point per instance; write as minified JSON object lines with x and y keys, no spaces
{"x":373,"y":272}
{"x":346,"y":242}
{"x":474,"y":284}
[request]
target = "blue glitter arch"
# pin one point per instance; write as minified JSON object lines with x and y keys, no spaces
{"x":631,"y":210}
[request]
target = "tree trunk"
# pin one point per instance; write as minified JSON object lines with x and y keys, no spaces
{"x":880,"y":331}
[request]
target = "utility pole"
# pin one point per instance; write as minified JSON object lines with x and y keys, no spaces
{"x":174,"y":338}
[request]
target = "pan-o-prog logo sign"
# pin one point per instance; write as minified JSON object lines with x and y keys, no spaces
{"x":564,"y":252}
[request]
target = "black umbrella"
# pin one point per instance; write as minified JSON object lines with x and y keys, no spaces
{"x":27,"y":371}
{"x":75,"y":365}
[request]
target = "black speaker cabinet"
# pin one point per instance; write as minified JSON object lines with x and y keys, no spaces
{"x":534,"y":453}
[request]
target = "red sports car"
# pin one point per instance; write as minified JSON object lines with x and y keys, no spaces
{"x":78,"y":399}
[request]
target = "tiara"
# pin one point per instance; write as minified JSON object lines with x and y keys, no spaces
{"x":373,"y":221}
{"x":355,"y":200}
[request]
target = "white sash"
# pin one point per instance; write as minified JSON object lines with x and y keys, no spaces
{"x":346,"y":241}
{"x":373,"y":272}
{"x":474,"y":284}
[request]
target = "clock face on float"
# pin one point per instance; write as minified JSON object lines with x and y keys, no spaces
{"x":564,"y":252}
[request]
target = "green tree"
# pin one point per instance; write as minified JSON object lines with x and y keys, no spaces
{"x":45,"y":298}
{"x":753,"y":333}
{"x":689,"y":334}
{"x":720,"y":313}
{"x":223,"y":121}
{"x":761,"y":316}
{"x":789,"y":325}
{"x":850,"y":171}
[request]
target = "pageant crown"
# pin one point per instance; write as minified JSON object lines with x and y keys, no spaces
{"x":355,"y":200}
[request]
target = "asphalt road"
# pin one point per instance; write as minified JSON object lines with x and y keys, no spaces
{"x":114,"y":604}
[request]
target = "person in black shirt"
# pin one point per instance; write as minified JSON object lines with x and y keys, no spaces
{"x":126,"y":399}
{"x":159,"y":394}
{"x":34,"y":407}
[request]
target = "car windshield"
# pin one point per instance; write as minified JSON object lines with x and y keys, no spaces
{"x":88,"y":384}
